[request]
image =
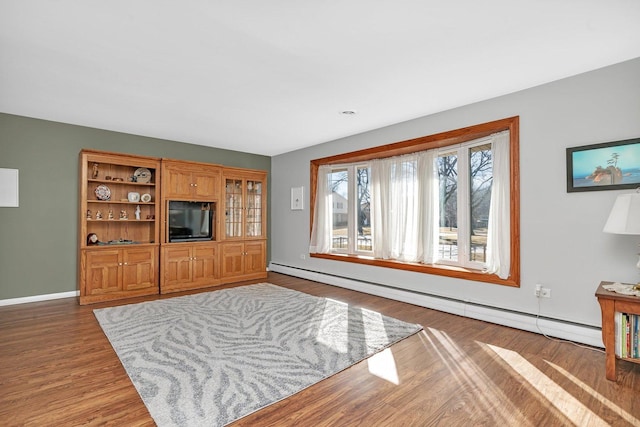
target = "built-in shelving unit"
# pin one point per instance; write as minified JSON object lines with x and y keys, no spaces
{"x":118,"y":226}
{"x":238,"y":250}
{"x":150,"y":225}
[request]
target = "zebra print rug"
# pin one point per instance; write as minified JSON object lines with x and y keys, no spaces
{"x":211,"y":358}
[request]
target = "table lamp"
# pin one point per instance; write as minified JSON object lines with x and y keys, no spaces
{"x":625,"y":216}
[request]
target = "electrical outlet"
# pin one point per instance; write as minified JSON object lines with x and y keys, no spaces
{"x":303,"y":256}
{"x":542,"y":292}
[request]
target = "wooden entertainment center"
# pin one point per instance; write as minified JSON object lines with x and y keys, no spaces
{"x":127,"y":246}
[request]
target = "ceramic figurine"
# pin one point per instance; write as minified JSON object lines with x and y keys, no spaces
{"x":138,"y":212}
{"x":110,"y":213}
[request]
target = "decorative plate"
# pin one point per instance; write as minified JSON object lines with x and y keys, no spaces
{"x":142,"y":175}
{"x":145,"y":198}
{"x":103,"y":192}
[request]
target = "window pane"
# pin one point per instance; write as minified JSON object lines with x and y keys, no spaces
{"x":364,"y":209}
{"x":448,"y":234}
{"x":339,"y":208}
{"x":481,"y":177}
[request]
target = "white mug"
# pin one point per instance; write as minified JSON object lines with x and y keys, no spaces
{"x":133,"y":197}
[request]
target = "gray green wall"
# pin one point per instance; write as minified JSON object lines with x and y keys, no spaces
{"x":38,"y":253}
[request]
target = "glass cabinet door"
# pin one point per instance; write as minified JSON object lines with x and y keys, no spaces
{"x":253,"y":225}
{"x":233,"y":208}
{"x":244,"y":207}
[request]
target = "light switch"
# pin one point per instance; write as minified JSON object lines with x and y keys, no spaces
{"x":296,"y":198}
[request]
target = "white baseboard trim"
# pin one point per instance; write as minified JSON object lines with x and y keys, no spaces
{"x":37,"y":298}
{"x":570,"y":331}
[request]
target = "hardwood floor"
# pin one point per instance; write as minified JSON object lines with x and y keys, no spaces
{"x":58,"y":368}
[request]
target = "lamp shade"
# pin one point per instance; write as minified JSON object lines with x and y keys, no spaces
{"x":625,"y":215}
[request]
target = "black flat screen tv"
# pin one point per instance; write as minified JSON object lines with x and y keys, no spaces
{"x":191,"y":221}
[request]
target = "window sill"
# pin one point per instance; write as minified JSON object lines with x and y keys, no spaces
{"x":438,"y":270}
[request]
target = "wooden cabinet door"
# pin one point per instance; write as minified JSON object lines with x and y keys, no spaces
{"x":255,"y":205}
{"x":254,"y":261}
{"x":191,"y":182}
{"x":245,"y":204}
{"x":139,"y":268}
{"x":205,"y":264}
{"x":178,"y":183}
{"x":176,"y":263}
{"x":102,"y":270}
{"x":232,"y":259}
{"x":206,"y":185}
{"x":233,"y":207}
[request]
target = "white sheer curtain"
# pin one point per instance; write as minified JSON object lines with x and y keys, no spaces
{"x":429,"y":206}
{"x":322,"y":217}
{"x":499,"y":225}
{"x":380,"y":173}
{"x":405,"y":208}
{"x":397,"y":217}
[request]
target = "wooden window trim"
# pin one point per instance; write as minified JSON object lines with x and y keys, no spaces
{"x":439,"y":140}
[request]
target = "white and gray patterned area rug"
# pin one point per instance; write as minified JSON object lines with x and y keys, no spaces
{"x":211,"y":358}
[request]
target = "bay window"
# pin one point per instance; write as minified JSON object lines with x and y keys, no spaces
{"x":444,"y":204}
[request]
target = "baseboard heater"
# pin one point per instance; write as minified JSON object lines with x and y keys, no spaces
{"x":558,"y":328}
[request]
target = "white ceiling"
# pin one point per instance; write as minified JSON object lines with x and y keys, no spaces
{"x":269,"y":77}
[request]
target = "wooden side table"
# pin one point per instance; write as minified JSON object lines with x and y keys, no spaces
{"x":610,"y":303}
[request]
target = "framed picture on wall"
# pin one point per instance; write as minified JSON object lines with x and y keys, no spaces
{"x":607,"y":166}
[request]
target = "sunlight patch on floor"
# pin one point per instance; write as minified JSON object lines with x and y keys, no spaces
{"x":489,"y":398}
{"x":611,"y":405}
{"x":374,"y":329}
{"x":568,"y":405}
{"x":383,"y":365}
{"x":331,"y":333}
